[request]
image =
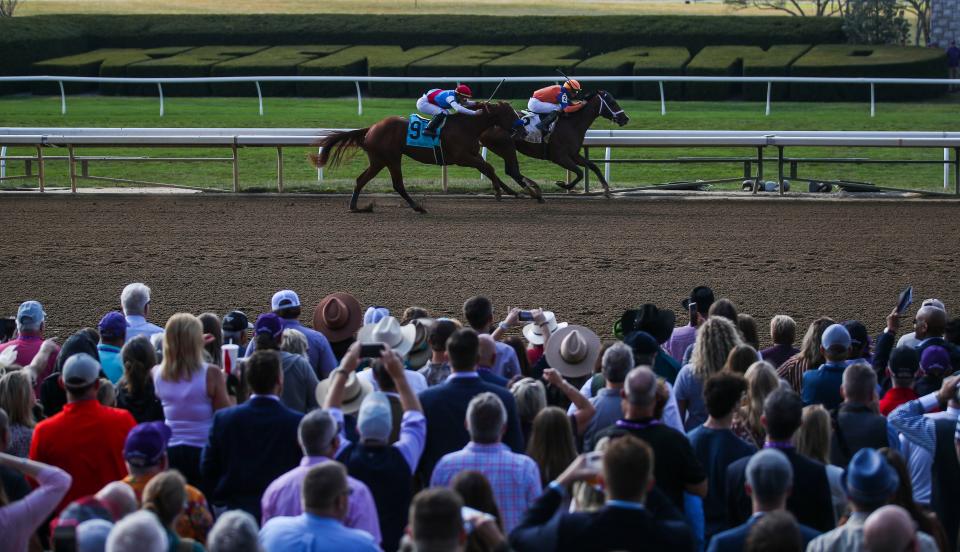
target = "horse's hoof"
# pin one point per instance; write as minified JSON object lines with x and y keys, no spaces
{"x":607,"y":194}
{"x":420,"y":209}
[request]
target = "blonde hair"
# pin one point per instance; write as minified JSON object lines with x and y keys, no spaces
{"x":810,"y":347}
{"x":16,"y":398}
{"x":531,"y":398}
{"x":165,"y":495}
{"x":294,"y":341}
{"x":761,"y":381}
{"x":813,"y":437}
{"x":182,"y":347}
{"x":715,"y":339}
{"x":107,"y":393}
{"x":783,"y":329}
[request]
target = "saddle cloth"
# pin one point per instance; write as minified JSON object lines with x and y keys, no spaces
{"x":533,"y":133}
{"x":415,"y":136}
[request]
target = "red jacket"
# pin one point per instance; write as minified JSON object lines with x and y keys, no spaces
{"x":86,"y":440}
{"x":895,"y":397}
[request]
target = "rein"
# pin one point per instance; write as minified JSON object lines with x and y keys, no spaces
{"x":605,"y":105}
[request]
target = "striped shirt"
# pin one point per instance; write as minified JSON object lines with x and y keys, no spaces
{"x":792,"y":371}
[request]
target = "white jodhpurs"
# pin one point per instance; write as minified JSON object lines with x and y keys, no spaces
{"x":537,"y":106}
{"x":424,"y":106}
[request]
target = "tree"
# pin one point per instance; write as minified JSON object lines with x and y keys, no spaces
{"x":875,"y":22}
{"x":794,"y":7}
{"x":7,"y":7}
{"x":921,"y":10}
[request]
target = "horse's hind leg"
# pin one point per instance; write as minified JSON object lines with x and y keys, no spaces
{"x":512,"y":167}
{"x":583,"y":161}
{"x":572,"y":166}
{"x":486,"y":169}
{"x":366,"y":176}
{"x":397,"y":177}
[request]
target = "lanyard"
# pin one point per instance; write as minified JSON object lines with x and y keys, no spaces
{"x":626,"y":424}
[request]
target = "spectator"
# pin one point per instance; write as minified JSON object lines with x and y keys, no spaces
{"x":165,"y":496}
{"x":113,"y":334}
{"x":698,"y":305}
{"x":31,"y":323}
{"x":551,"y":444}
{"x":445,"y":405}
{"x":775,"y":531}
{"x":536,"y":335}
{"x":437,"y":524}
{"x":571,"y":347}
{"x":658,"y":324}
{"x":118,"y":498}
{"x":890,"y":529}
{"x":145,"y":454}
{"x":809,"y":357}
{"x":926,"y":520}
{"x":420,"y":352}
{"x":716,"y":447}
{"x":769,"y":481}
{"x":723,"y":308}
{"x":294,"y":342}
{"x":92,"y":535}
{"x":438,"y":368}
{"x":521,"y":350}
{"x":813,"y":441}
{"x":715,"y":339}
{"x":822,"y":386}
{"x":902,"y":372}
{"x":338,"y":318}
{"x":386,"y":468}
{"x":858,"y":424}
{"x":475,"y":490}
{"x":933,"y":435}
{"x":86,"y":438}
{"x":761,"y":381}
{"x":191,"y":391}
{"x":107,"y":393}
{"x":299,"y":380}
{"x":135,"y":300}
{"x":628,"y":466}
{"x":234,"y":531}
{"x":514,"y":477}
{"x":212,"y":336}
{"x":21,"y":517}
{"x":253,"y":443}
{"x":135,"y":391}
{"x":478,"y":312}
{"x":645,"y":353}
{"x":930,"y":325}
{"x":617,"y":363}
{"x":400,"y":340}
{"x":325,"y":496}
{"x":934,"y":366}
{"x":235,"y":327}
{"x":782,"y":413}
{"x":139,"y":532}
{"x":531,"y":397}
{"x":748,"y":330}
{"x":286,"y":304}
{"x":374,"y":314}
{"x":683,"y":472}
{"x":783,"y":332}
{"x":16,"y":398}
{"x":740,"y":359}
{"x":953,"y":63}
{"x":910,"y":339}
{"x":870,"y":484}
{"x":52,"y":395}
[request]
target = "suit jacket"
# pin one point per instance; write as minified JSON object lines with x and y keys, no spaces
{"x":445,"y":408}
{"x":250,"y":445}
{"x":734,"y":540}
{"x":609,"y":528}
{"x":810,"y":501}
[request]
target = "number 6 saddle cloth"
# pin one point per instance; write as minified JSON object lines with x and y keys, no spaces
{"x":417,"y":139}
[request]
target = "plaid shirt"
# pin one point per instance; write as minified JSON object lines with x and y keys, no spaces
{"x":515,"y":478}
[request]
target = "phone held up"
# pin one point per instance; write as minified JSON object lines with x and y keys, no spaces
{"x":525,"y":316}
{"x":371,"y":350}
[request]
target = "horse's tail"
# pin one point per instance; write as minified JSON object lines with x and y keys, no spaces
{"x":336,"y":145}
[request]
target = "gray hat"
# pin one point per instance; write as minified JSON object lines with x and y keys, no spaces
{"x":80,"y":370}
{"x":769,"y":474}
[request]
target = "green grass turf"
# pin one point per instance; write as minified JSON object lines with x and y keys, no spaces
{"x":258,"y":165}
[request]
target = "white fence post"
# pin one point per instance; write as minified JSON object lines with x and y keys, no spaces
{"x":359,"y":99}
{"x":873,"y":100}
{"x":606,"y":168}
{"x":63,"y":99}
{"x":160,"y":89}
{"x":320,"y":169}
{"x":259,"y":97}
{"x":663,"y":101}
{"x":946,"y":168}
{"x":483,"y":153}
{"x":769,"y":86}
{"x":3,"y":165}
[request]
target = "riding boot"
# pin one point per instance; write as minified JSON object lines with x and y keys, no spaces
{"x":546,"y":120}
{"x":434,"y":125}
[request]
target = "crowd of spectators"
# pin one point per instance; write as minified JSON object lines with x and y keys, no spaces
{"x":371,"y":431}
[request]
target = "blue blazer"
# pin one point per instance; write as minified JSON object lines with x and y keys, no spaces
{"x":445,"y":408}
{"x":250,"y":445}
{"x":734,"y":540}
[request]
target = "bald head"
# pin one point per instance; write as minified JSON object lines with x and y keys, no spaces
{"x":487,"y":350}
{"x":640,"y":387}
{"x":931,"y":322}
{"x":890,"y":529}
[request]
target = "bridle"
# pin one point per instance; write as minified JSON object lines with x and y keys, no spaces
{"x":605,"y":105}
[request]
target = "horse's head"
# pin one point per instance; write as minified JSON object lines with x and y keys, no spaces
{"x":610,"y":109}
{"x":504,"y":116}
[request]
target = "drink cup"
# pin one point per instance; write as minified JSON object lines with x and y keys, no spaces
{"x":229,"y":354}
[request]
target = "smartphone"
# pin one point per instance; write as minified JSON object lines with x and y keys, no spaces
{"x":470,"y":515}
{"x":371,"y":350}
{"x":525,"y":316}
{"x":905,"y":299}
{"x":692,"y":311}
{"x":594,"y":463}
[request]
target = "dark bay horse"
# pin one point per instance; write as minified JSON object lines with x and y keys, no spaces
{"x":385,"y":145}
{"x":565,"y":142}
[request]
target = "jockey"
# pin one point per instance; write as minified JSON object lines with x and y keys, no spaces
{"x":439,"y":103}
{"x":550,"y":101}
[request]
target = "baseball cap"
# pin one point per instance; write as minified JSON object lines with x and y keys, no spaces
{"x":935,"y":303}
{"x":113,"y":324}
{"x":80,"y":369}
{"x":375,"y":420}
{"x":236,"y":321}
{"x":92,"y":535}
{"x":30,"y":312}
{"x":857,"y":331}
{"x":283,"y":299}
{"x":146,"y":444}
{"x":835,"y":336}
{"x":269,"y":323}
{"x":935,"y":359}
{"x":642,"y":343}
{"x":904,"y":361}
{"x":702,"y":296}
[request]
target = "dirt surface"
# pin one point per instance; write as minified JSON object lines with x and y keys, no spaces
{"x":586,"y":259}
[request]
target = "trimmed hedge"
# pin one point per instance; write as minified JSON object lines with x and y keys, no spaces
{"x":638,"y":61}
{"x":363,"y":60}
{"x":276,"y":61}
{"x":106,"y":62}
{"x":197,"y":62}
{"x":531,"y":61}
{"x":739,"y":61}
{"x":463,"y":61}
{"x":843,"y":60}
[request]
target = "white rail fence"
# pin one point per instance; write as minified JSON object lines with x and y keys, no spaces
{"x":769,"y":81}
{"x":43,"y":138}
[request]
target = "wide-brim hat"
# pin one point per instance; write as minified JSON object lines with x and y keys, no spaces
{"x":420,"y":351}
{"x":532,"y":330}
{"x":388,"y":330}
{"x":353,"y":393}
{"x":869,"y":478}
{"x":573,"y":351}
{"x":648,"y":318}
{"x":338,"y":316}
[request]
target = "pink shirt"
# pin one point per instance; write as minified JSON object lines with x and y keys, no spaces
{"x":27,"y":347}
{"x":19,"y":520}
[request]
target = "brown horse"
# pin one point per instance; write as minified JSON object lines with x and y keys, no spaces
{"x":385,"y":145}
{"x":565,"y":141}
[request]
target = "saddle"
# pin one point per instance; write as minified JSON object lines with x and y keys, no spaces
{"x":531,"y":122}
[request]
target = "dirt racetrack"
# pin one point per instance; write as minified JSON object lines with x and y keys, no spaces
{"x":586,"y":259}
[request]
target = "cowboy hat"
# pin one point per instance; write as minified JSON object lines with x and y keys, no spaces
{"x":354,"y":391}
{"x":648,"y":318}
{"x":389,"y":331}
{"x":337,"y":316}
{"x":573,"y":351}
{"x":420,"y":351}
{"x":532,"y":330}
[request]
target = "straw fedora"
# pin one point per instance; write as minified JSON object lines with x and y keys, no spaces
{"x":338,"y":316}
{"x":389,"y":331}
{"x":420,"y":351}
{"x":573,"y":351}
{"x":353,"y":393}
{"x":532,"y":330}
